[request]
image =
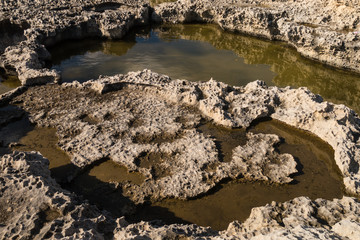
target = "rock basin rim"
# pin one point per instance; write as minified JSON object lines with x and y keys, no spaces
{"x":296,"y":107}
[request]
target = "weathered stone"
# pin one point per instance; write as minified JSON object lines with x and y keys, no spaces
{"x":225,"y":105}
{"x":142,"y":120}
{"x":327,"y":31}
{"x":142,"y":116}
{"x":28,"y":26}
{"x":33,"y":205}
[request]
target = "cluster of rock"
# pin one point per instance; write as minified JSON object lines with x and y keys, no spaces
{"x":127,"y":117}
{"x":327,"y":31}
{"x":114,"y":134}
{"x":142,"y":119}
{"x":34,"y":206}
{"x":27,"y":27}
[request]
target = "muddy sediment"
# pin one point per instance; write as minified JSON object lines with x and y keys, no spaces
{"x":149,"y":124}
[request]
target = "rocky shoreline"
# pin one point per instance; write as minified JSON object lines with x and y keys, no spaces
{"x":329,"y":33}
{"x":148,"y":122}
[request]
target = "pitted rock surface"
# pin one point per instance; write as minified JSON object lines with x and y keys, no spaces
{"x":147,"y":122}
{"x":34,"y":206}
{"x":29,"y":26}
{"x":219,"y":102}
{"x":327,"y":31}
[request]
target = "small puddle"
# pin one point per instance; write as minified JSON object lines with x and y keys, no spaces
{"x":318,"y":177}
{"x":104,"y":183}
{"x":225,"y":139}
{"x":109,"y":171}
{"x":7,"y":83}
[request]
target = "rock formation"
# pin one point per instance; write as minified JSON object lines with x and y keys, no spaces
{"x":327,"y":31}
{"x":142,"y":119}
{"x":33,"y":205}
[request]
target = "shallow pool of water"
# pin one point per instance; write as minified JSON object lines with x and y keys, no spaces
{"x":200,"y":52}
{"x":162,"y":53}
{"x":8,"y":83}
{"x":318,"y":177}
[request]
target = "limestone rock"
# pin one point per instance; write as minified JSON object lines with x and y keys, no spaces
{"x":323,"y":30}
{"x":33,"y":205}
{"x":28,"y":27}
{"x":147,"y":123}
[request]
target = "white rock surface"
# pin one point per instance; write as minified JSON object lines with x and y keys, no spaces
{"x":147,"y":123}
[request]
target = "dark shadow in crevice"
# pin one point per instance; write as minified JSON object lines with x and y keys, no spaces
{"x":257,"y":121}
{"x":225,"y":139}
{"x":110,"y":197}
{"x":150,"y":213}
{"x":299,"y":168}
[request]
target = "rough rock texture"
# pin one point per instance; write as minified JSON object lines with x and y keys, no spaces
{"x":28,"y":26}
{"x":140,"y":121}
{"x":225,"y":105}
{"x":94,"y":127}
{"x":327,"y":31}
{"x":299,"y":218}
{"x":33,"y":206}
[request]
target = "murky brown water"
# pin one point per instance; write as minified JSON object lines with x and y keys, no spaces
{"x":318,"y":177}
{"x":197,"y":52}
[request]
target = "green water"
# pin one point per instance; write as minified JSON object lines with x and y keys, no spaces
{"x":8,"y":83}
{"x":200,"y":52}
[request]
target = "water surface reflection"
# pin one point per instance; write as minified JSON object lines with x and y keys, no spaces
{"x":199,"y":52}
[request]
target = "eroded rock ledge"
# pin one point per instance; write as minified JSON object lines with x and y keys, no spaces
{"x":327,"y":31}
{"x":28,"y":27}
{"x":126,"y":116}
{"x":148,"y":123}
{"x":33,"y":205}
{"x":129,"y":117}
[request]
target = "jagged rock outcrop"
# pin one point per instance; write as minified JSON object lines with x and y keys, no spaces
{"x":101,"y":130}
{"x":327,"y":31}
{"x":139,"y":120}
{"x":33,"y":205}
{"x":30,"y":26}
